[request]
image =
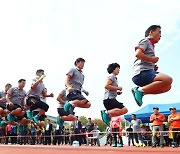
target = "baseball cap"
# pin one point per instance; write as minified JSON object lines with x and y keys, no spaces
{"x":155,"y":108}
{"x":171,"y":108}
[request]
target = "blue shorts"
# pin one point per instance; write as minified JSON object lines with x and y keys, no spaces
{"x":144,"y":78}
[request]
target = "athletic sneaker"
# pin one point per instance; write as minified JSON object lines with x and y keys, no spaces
{"x":10,"y":117}
{"x":138,"y":95}
{"x":36,"y":119}
{"x":162,"y":146}
{"x":137,"y":145}
{"x":154,"y":146}
{"x":60,"y":122}
{"x":120,"y":145}
{"x":2,"y":123}
{"x":71,"y":110}
{"x":143,"y":145}
{"x":114,"y":145}
{"x":67,"y":106}
{"x":29,"y":115}
{"x":105,"y":117}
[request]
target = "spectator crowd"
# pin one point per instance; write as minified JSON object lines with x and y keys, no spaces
{"x":139,"y":134}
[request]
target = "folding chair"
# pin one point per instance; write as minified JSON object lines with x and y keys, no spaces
{"x":95,"y":137}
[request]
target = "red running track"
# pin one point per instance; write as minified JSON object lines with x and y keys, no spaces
{"x":41,"y":149}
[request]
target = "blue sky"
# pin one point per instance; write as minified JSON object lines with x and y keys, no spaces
{"x":52,"y":34}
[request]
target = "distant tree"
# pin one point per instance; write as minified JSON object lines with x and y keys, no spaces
{"x":67,"y":126}
{"x":83,"y":120}
{"x":125,"y":123}
{"x":101,"y":125}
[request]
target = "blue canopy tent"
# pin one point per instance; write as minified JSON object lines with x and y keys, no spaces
{"x":145,"y":113}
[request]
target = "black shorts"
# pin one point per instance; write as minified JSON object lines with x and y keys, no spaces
{"x":3,"y":106}
{"x":110,"y":104}
{"x":75,"y":95}
{"x":61,"y":112}
{"x":38,"y":103}
{"x":14,"y":107}
{"x":41,"y":118}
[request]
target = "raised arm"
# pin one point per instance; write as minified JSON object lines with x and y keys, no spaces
{"x":34,"y":85}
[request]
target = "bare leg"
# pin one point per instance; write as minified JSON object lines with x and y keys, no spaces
{"x":41,"y":123}
{"x":87,"y":105}
{"x":82,"y":103}
{"x":1,"y":110}
{"x":4,"y":113}
{"x":41,"y":112}
{"x":161,"y":83}
{"x":16,"y":112}
{"x":69,"y":118}
{"x":117,"y":112}
{"x":23,"y":121}
{"x":21,"y":113}
{"x":27,"y":122}
{"x":12,"y":123}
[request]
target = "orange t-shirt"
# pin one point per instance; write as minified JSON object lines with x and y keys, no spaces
{"x":175,"y":123}
{"x":157,"y":119}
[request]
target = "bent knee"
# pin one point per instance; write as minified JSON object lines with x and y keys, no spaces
{"x":164,"y":78}
{"x":28,"y":121}
{"x":166,"y":88}
{"x":6,"y":111}
{"x":88,"y":105}
{"x":23,"y":119}
{"x":23,"y":112}
{"x":18,"y":110}
{"x":74,"y":118}
{"x":125,"y":110}
{"x":169,"y":80}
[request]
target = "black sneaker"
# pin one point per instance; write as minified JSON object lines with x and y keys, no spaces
{"x":153,"y":146}
{"x":105,"y":117}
